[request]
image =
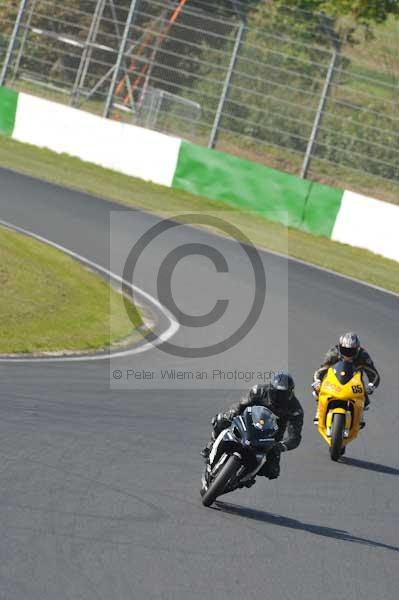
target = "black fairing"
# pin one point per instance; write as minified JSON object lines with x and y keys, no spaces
{"x":250,"y":433}
{"x":251,"y":436}
{"x":344,"y":371}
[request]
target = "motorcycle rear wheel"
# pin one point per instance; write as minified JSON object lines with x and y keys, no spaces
{"x":217,"y":486}
{"x":337,"y":435}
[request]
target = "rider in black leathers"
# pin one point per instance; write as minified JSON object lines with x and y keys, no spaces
{"x":279,"y":397}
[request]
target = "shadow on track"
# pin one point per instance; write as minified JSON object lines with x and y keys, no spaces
{"x":369,"y":466}
{"x":280,"y":521}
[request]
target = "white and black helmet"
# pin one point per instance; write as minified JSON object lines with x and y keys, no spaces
{"x":349,"y":345}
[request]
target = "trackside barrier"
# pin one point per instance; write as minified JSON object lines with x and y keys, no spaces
{"x":310,"y":206}
{"x":134,"y":151}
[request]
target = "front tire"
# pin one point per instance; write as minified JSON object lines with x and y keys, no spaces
{"x":217,"y":486}
{"x":337,"y":436}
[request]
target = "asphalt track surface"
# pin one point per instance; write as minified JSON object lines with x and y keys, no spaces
{"x":99,"y":486}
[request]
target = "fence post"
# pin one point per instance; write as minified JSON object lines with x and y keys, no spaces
{"x":122,"y":49}
{"x":13,"y":41}
{"x":320,"y":112}
{"x":24,"y":38}
{"x":87,"y":52}
{"x":226,"y":87}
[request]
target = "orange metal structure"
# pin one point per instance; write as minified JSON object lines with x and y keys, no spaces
{"x":147,"y":38}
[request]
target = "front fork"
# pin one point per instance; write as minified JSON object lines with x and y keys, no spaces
{"x":330,"y":417}
{"x":215,"y":468}
{"x":262,"y":459}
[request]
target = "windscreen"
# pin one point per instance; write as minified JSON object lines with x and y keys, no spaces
{"x":344,"y":371}
{"x":262,"y":420}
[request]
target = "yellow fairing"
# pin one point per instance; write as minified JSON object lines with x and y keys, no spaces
{"x":332,"y":391}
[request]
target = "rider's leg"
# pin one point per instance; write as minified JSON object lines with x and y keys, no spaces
{"x":316,"y":416}
{"x":218,"y":424}
{"x":315,"y":394}
{"x":271,"y":468}
{"x":205,"y":452}
{"x":366,"y":407}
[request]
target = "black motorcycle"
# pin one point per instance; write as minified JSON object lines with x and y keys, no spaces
{"x":238,"y":453}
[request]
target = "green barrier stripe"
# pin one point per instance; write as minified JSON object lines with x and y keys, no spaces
{"x":8,"y":110}
{"x":241,"y":183}
{"x":321,"y":209}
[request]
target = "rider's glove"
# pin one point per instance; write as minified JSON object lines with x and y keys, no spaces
{"x":217,"y":419}
{"x":370,"y":387}
{"x":220,"y":421}
{"x":316,"y":385}
{"x":256,"y":392}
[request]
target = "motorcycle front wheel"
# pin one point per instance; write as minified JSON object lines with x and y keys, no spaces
{"x":337,"y":435}
{"x":217,"y":486}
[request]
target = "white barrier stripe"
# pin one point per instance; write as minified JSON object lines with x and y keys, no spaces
{"x":368,"y":223}
{"x":170,"y":332}
{"x":122,"y":147}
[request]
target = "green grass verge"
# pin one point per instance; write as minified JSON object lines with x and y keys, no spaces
{"x":49,"y":302}
{"x":72,"y":172}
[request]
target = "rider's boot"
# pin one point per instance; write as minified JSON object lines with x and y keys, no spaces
{"x":250,"y":483}
{"x":205,"y":452}
{"x":366,"y":407}
{"x":316,"y":417}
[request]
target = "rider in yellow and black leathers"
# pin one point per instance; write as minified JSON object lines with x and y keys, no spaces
{"x":349,"y":349}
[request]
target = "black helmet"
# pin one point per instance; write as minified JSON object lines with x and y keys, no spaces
{"x":281,"y":390}
{"x":349,"y":345}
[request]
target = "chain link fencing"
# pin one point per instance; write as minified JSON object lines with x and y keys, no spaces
{"x":285,"y":88}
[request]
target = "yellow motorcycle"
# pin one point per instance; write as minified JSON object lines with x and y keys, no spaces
{"x":341,"y":404}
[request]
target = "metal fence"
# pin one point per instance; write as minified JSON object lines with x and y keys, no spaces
{"x":277,"y":86}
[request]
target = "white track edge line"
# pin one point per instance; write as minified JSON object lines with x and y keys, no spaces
{"x":304,"y":262}
{"x":331,"y":271}
{"x":170,"y":332}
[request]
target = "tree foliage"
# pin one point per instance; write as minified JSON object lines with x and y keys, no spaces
{"x":276,"y":87}
{"x":362,"y":11}
{"x":365,"y":12}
